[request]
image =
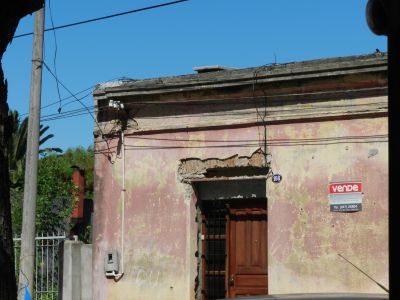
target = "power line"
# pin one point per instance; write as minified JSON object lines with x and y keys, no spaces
{"x":76,"y":94}
{"x":216,"y":114}
{"x":222,"y":101}
{"x":60,"y":118}
{"x":67,"y":113}
{"x":219,"y":114}
{"x":214,"y":102}
{"x":72,"y":101}
{"x":55,"y":56}
{"x":113,"y":149}
{"x":250,"y":145}
{"x":377,"y":136}
{"x":66,"y":98}
{"x":199,"y":143}
{"x":72,"y":94}
{"x":105,"y":17}
{"x":93,"y":109}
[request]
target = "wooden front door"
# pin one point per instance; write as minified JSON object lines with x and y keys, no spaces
{"x":234,"y":248}
{"x":247,"y":249}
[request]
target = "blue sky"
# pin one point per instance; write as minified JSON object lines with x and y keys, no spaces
{"x":173,"y":40}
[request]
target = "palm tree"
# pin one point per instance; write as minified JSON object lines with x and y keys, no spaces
{"x":16,"y":147}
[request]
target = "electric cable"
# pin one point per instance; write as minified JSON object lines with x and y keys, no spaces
{"x":69,"y":91}
{"x":76,"y":94}
{"x":104,"y":17}
{"x":252,"y":142}
{"x":55,"y":55}
{"x":377,"y":136}
{"x":307,"y":112}
{"x":221,"y":101}
{"x":248,"y":145}
{"x":72,"y":94}
{"x":57,"y":102}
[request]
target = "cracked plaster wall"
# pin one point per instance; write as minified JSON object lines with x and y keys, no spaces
{"x":304,"y":236}
{"x":160,"y":211}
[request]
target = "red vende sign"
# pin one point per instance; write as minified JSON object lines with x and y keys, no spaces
{"x":345,"y":187}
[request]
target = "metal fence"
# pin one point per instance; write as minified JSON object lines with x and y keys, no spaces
{"x":46,"y":264}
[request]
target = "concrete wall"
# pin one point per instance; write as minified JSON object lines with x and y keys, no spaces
{"x":305,"y":238}
{"x":76,"y":276}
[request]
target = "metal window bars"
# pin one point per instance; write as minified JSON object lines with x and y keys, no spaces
{"x":214,"y":247}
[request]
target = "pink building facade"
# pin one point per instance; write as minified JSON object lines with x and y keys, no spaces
{"x":216,"y":184}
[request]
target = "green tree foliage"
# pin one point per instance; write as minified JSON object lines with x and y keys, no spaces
{"x":16,"y":196}
{"x":55,"y":198}
{"x":84,"y":159}
{"x":16,"y":147}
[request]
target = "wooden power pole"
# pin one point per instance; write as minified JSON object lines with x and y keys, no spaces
{"x":27,"y":259}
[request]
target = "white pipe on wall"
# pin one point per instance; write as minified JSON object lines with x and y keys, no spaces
{"x":121,"y":273}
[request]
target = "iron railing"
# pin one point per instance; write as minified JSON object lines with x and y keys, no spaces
{"x":46,"y":264}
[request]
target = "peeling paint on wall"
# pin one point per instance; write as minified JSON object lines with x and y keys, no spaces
{"x":306,"y":248}
{"x":304,"y":236}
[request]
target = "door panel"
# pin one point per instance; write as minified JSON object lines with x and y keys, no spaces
{"x":248,"y":266}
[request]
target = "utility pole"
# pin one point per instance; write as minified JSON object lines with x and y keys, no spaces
{"x":27,"y":259}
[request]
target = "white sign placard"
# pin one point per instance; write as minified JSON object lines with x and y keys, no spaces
{"x":345,"y":196}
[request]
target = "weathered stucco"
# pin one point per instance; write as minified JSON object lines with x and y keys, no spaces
{"x":305,"y":238}
{"x":160,"y":224}
{"x":325,"y":121}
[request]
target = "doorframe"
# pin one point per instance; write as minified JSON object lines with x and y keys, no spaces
{"x":191,"y":170}
{"x":200,"y":278}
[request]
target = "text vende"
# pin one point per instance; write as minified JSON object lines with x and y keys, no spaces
{"x":345,"y":187}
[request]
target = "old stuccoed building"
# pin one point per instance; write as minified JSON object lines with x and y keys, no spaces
{"x":243,"y":181}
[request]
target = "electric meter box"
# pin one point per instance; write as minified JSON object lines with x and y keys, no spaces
{"x":111,"y":265}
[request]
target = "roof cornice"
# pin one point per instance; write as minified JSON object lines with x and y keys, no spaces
{"x":319,"y":68}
